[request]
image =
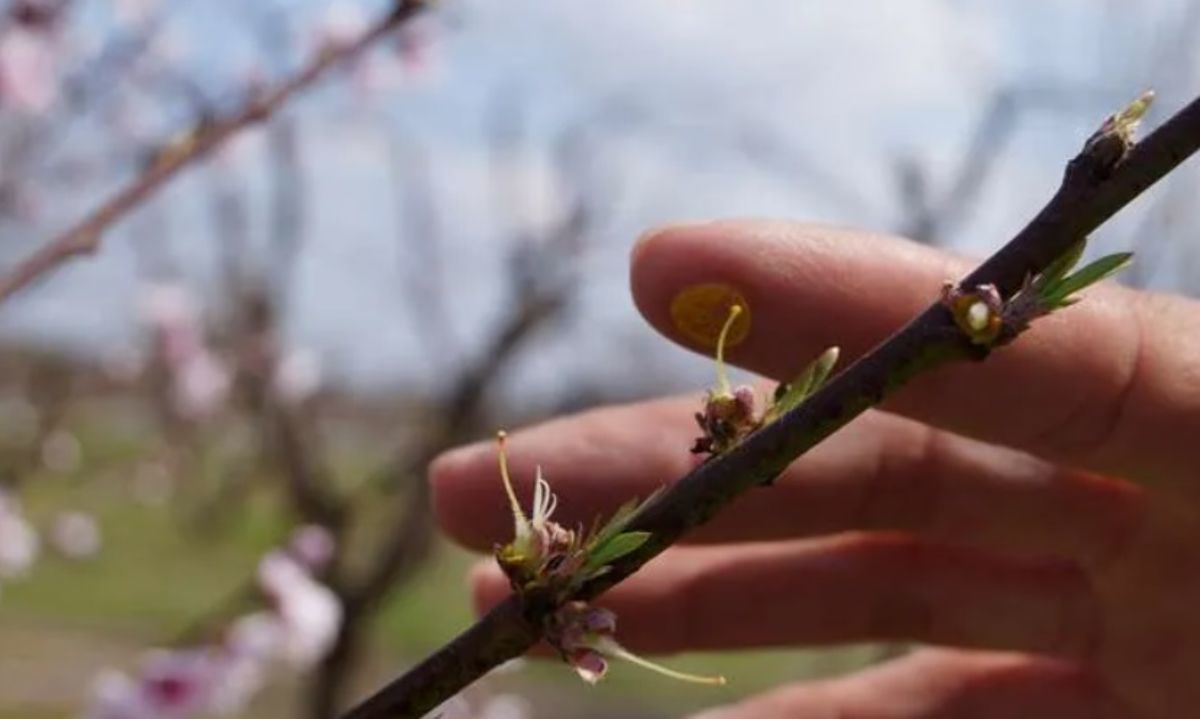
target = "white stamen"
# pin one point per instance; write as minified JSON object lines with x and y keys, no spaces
{"x":978,"y":315}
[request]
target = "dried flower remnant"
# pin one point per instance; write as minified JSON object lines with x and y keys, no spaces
{"x":729,"y":414}
{"x":540,"y":548}
{"x":978,"y":313}
{"x":585,"y":636}
{"x":987,"y":319}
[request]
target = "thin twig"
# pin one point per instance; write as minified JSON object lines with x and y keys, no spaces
{"x":84,"y":237}
{"x":1098,"y":182}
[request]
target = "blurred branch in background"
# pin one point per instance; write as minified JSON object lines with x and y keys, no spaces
{"x":933,"y":216}
{"x":209,"y":133}
{"x":382,"y":527}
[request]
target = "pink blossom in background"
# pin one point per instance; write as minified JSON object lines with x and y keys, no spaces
{"x":18,"y":540}
{"x":294,"y":630}
{"x":172,"y":311}
{"x":201,"y":386}
{"x":170,"y":684}
{"x":29,"y":72}
{"x":309,"y":613}
{"x":297,"y":376}
{"x":340,"y":24}
{"x":200,"y":382}
{"x":313,"y":546}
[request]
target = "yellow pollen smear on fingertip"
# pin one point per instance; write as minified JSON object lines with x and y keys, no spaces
{"x":502,"y":443}
{"x":700,"y":313}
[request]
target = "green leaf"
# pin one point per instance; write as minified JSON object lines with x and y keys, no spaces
{"x":1060,"y":293}
{"x":614,"y":548}
{"x":800,"y":389}
{"x":1058,"y":269}
{"x":619,"y":520}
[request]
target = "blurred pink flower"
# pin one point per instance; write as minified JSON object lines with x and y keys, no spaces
{"x":200,"y":386}
{"x":200,"y":382}
{"x":313,"y":546}
{"x":309,"y":612}
{"x":297,"y":376}
{"x":18,"y":540}
{"x":170,"y":684}
{"x":340,"y":24}
{"x":29,"y":72}
{"x":296,"y":629}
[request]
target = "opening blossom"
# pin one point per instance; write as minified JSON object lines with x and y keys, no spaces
{"x":541,"y":549}
{"x":545,"y":555}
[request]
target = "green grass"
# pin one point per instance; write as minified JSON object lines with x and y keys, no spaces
{"x":156,"y":576}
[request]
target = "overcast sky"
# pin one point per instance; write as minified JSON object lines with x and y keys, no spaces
{"x":707,"y":108}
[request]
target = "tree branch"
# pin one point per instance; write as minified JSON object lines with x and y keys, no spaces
{"x":1102,"y":179}
{"x":84,"y":237}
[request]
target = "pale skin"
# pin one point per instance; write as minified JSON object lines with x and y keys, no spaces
{"x":1035,"y":518}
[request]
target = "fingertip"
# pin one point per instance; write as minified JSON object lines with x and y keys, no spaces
{"x":670,"y":258}
{"x":488,"y":585}
{"x":759,"y":264}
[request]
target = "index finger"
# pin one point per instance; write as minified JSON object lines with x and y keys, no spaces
{"x":1112,"y":384}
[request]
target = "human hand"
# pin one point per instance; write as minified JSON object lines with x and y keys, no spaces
{"x":1037,"y":516}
